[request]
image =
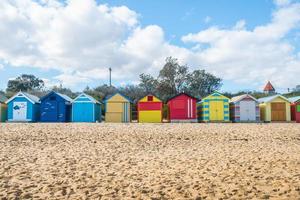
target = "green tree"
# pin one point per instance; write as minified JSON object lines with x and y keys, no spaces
{"x":103,"y":91}
{"x":172,"y":78}
{"x":133,"y":92}
{"x":201,"y":83}
{"x":66,"y":91}
{"x":25,"y":82}
{"x":148,"y":83}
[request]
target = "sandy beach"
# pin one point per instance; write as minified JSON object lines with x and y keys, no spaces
{"x":150,"y":161}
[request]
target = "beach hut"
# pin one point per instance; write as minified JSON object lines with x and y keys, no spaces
{"x":3,"y":108}
{"x":56,"y":107}
{"x":23,"y":107}
{"x":214,"y":108}
{"x":182,"y":108}
{"x":275,"y":108}
{"x":117,"y":108}
{"x":295,"y":108}
{"x":86,"y":109}
{"x":150,"y":109}
{"x":244,"y":108}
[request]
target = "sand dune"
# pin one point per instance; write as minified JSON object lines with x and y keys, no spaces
{"x":151,"y":161}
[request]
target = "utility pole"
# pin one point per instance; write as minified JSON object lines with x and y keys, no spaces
{"x":109,"y":77}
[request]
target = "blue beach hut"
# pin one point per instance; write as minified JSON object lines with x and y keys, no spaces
{"x":23,"y":107}
{"x":56,"y":107}
{"x":86,"y":109}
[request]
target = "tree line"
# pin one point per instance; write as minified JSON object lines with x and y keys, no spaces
{"x":172,"y":79}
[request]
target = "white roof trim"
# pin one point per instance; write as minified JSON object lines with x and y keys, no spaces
{"x":87,"y":96}
{"x":242,"y":97}
{"x":17,"y":95}
{"x":274,"y":97}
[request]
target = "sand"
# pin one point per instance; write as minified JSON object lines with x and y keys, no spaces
{"x":150,"y":161}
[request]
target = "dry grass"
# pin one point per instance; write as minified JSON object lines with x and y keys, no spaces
{"x":151,"y":161}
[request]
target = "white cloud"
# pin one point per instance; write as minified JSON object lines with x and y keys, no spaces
{"x":81,"y":40}
{"x":252,"y":56}
{"x":207,"y":19}
{"x":240,"y":25}
{"x":282,"y":2}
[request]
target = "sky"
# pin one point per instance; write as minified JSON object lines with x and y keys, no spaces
{"x":74,"y":42}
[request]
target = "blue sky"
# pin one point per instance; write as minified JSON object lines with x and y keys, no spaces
{"x":246,"y":43}
{"x":180,"y":17}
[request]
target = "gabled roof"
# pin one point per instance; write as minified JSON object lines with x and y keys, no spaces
{"x":65,"y":97}
{"x":33,"y":99}
{"x":215,"y":93}
{"x":269,"y":87}
{"x":110,"y":96}
{"x":3,"y":98}
{"x":150,"y":95}
{"x":92,"y":99}
{"x":294,"y":99}
{"x":241,"y":97}
{"x":182,"y":93}
{"x":271,"y":98}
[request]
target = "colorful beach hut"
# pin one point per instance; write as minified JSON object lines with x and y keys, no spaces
{"x":56,"y":107}
{"x":86,"y":109}
{"x":23,"y":107}
{"x":3,"y":108}
{"x":295,"y":108}
{"x":275,"y":108}
{"x":244,"y":108}
{"x":182,"y":108}
{"x":117,"y":108}
{"x":150,"y":109}
{"x":214,"y":108}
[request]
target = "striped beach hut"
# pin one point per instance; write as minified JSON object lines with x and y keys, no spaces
{"x":23,"y":107}
{"x":150,"y":109}
{"x":56,"y":107}
{"x":117,"y":108}
{"x":214,"y":108}
{"x":275,"y":108}
{"x":295,"y":108}
{"x":86,"y":109}
{"x":3,"y":108}
{"x":244,"y":108}
{"x":182,"y":108}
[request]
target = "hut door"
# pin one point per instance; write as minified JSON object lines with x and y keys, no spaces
{"x":20,"y":111}
{"x":278,"y":111}
{"x":217,"y":111}
{"x":247,"y":111}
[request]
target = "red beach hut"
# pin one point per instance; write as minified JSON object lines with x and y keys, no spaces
{"x":182,"y":108}
{"x":295,"y":108}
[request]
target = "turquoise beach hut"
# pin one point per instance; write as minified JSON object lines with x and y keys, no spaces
{"x":23,"y":107}
{"x":3,"y":108}
{"x":86,"y":109}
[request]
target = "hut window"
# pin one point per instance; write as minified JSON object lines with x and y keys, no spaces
{"x":52,"y":98}
{"x":150,"y":98}
{"x":298,"y":108}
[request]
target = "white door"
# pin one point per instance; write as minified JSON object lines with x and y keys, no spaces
{"x":20,"y":111}
{"x":247,"y":110}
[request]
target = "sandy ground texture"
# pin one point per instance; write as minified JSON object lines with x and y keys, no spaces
{"x":150,"y":161}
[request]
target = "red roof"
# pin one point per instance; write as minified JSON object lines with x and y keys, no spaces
{"x":269,"y":87}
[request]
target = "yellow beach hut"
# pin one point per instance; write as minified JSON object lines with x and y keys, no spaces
{"x":117,"y":108}
{"x":214,"y":107}
{"x":275,"y":108}
{"x":150,"y":109}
